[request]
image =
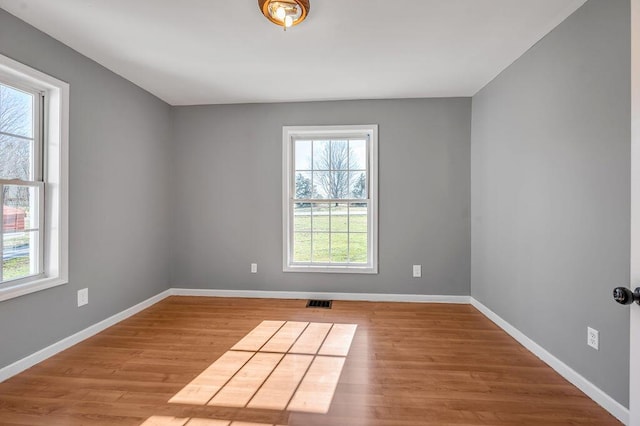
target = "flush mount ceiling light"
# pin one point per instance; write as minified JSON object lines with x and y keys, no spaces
{"x":285,"y":13}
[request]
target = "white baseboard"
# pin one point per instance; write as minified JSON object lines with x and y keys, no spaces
{"x":368,"y":297}
{"x":31,"y":360}
{"x":592,"y":391}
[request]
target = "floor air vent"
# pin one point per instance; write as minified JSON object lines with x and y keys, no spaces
{"x":319,"y":304}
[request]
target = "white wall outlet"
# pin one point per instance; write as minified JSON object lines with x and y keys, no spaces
{"x":83,"y":297}
{"x":593,"y":338}
{"x":417,"y":271}
{"x":254,"y":268}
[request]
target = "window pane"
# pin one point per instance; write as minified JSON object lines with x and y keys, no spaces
{"x":20,"y":208}
{"x":304,"y":186}
{"x":339,"y":155}
{"x":320,"y":244}
{"x":358,"y":152}
{"x":302,"y":247}
{"x":320,"y":217}
{"x":339,"y":217}
{"x":340,"y":247}
{"x":303,"y":155}
{"x":321,"y":155}
{"x":332,"y":185}
{"x":16,"y":112}
{"x":358,"y":217}
{"x":302,"y":217}
{"x":339,"y":184}
{"x":19,"y":255}
{"x":322,"y":184}
{"x":358,"y":248}
{"x":16,"y":158}
{"x":358,"y":184}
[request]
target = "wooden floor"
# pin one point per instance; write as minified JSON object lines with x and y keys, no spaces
{"x":408,"y":364}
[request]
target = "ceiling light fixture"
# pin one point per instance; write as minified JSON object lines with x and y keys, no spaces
{"x":285,"y":13}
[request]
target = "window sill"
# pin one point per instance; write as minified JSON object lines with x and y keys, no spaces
{"x":17,"y":290}
{"x":331,"y":269}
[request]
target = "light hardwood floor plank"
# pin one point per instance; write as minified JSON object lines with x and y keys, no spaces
{"x":277,"y":391}
{"x":339,"y":340}
{"x":165,"y":421}
{"x":208,"y":422}
{"x":318,"y":386}
{"x":258,"y":336}
{"x":311,"y":339}
{"x":285,"y":337}
{"x":241,"y":388}
{"x":211,"y":380}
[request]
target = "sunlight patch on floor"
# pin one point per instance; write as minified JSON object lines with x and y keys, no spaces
{"x":279,"y":365}
{"x":178,"y":421}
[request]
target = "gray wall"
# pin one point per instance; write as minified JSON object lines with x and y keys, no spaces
{"x":227,"y":193}
{"x":550,"y":192}
{"x":119,"y":158}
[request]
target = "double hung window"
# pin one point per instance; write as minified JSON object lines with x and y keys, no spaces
{"x":330,"y":199}
{"x":34,"y":126}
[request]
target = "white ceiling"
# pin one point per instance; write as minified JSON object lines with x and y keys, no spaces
{"x":224,"y":51}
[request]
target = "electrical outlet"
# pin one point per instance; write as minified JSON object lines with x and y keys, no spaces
{"x":593,"y":338}
{"x":83,"y":297}
{"x":417,"y":271}
{"x":254,"y":268}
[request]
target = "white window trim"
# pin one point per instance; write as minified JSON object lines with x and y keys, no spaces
{"x":56,"y":178}
{"x":288,"y":134}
